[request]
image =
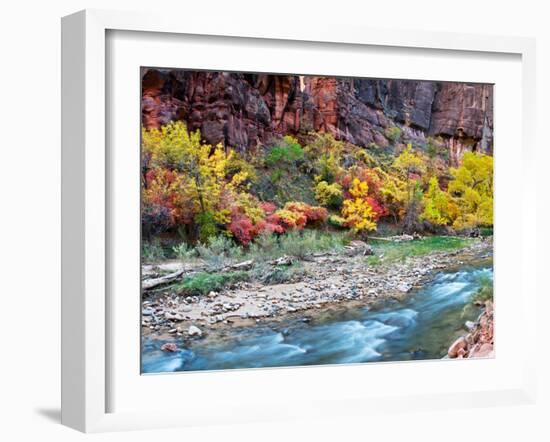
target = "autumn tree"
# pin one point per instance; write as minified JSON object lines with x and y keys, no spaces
{"x":411,"y":166}
{"x":472,"y":190}
{"x":438,"y":209}
{"x":199,"y":180}
{"x":393,"y":193}
{"x":357,"y":212}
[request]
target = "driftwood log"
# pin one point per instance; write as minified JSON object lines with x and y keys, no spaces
{"x":148,"y":284}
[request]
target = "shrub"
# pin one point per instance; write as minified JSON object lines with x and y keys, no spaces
{"x":291,"y":220}
{"x":265,"y":246}
{"x":155,"y":219}
{"x":268,"y":207}
{"x":183,"y":251}
{"x":218,"y":252}
{"x":357,"y":211}
{"x":288,"y":151}
{"x":328,"y":166}
{"x":247,"y":222}
{"x":207,"y":226}
{"x":303,"y":244}
{"x":393,"y":134}
{"x":268,"y":274}
{"x":203,"y":283}
{"x":152,"y":251}
{"x":337,"y":221}
{"x":295,"y":215}
{"x":329,"y":195}
{"x":271,"y":224}
{"x":242,"y":229}
{"x":485,"y":292}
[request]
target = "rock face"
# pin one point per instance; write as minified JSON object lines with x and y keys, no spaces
{"x":479,"y":342}
{"x":244,"y":110}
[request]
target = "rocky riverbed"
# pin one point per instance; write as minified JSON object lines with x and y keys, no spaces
{"x":326,"y":281}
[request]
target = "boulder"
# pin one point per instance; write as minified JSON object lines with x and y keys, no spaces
{"x":459,"y":344}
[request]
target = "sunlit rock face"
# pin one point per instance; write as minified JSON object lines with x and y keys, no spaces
{"x":244,"y":110}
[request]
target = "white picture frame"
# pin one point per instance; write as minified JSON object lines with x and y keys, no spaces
{"x":86,"y":352}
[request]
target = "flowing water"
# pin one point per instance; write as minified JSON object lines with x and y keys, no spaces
{"x":420,"y":327}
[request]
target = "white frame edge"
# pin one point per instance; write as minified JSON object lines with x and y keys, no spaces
{"x":84,"y":381}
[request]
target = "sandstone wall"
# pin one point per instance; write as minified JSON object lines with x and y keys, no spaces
{"x":243,"y":110}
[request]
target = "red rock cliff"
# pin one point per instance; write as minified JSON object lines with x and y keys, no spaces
{"x":243,"y":110}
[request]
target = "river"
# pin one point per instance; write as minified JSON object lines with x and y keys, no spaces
{"x":420,"y":327}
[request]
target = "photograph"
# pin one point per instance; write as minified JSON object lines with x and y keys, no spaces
{"x":293,"y":220}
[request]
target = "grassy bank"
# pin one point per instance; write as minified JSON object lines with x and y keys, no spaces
{"x":203,"y":283}
{"x":217,"y":258}
{"x":388,"y":251}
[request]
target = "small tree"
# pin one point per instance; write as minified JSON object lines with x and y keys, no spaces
{"x":472,"y":190}
{"x":436,"y":204}
{"x":411,"y":166}
{"x":357,"y":212}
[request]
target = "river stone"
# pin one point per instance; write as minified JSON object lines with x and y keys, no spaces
{"x":403,"y":287}
{"x":194,"y":331}
{"x":459,"y":344}
{"x":169,"y":347}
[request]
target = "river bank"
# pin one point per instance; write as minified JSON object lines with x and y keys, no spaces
{"x":419,"y":326}
{"x":325,"y":281}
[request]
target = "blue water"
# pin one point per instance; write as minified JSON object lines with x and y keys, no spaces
{"x":420,"y":327}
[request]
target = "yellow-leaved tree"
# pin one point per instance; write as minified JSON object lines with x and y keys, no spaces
{"x":411,"y":166}
{"x":201,"y":176}
{"x":438,"y":207}
{"x":356,"y":211}
{"x":472,"y":190}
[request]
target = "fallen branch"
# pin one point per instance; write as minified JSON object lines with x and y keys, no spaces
{"x":245,"y":265}
{"x":154,"y":282}
{"x":282,"y":261}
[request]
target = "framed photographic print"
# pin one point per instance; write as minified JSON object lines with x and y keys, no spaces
{"x":250,"y":215}
{"x":292,"y":220}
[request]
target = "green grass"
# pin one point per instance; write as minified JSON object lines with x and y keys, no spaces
{"x":203,"y":283}
{"x":388,"y":251}
{"x":485,"y":292}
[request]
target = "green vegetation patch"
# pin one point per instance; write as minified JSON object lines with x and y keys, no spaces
{"x":203,"y":283}
{"x":270,"y":275}
{"x":485,"y":292}
{"x":390,"y":251}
